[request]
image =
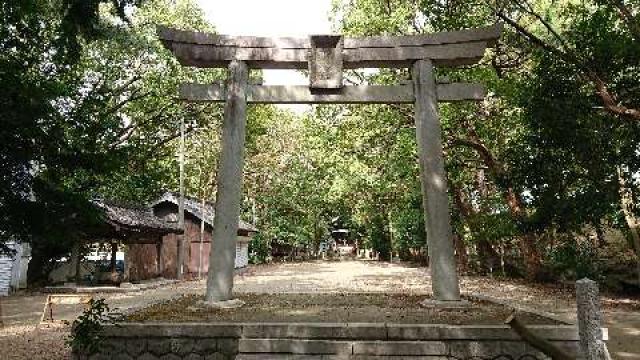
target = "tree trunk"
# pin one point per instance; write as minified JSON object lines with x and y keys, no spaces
{"x":627,"y":205}
{"x":532,"y":258}
{"x":600,"y":240}
{"x":528,"y":240}
{"x":73,"y":263}
{"x":462,"y":256}
{"x":486,"y":251}
{"x":489,"y":258}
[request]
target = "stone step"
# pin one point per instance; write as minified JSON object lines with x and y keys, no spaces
{"x":295,"y":346}
{"x":340,"y":331}
{"x":367,"y":331}
{"x":299,"y":341}
{"x":299,"y":349}
{"x":334,"y":357}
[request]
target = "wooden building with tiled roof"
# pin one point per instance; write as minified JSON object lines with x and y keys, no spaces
{"x":198,"y":230}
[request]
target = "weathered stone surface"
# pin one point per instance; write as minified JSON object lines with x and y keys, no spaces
{"x":512,"y":348}
{"x":448,"y":304}
{"x":287,"y":357}
{"x":472,"y":332}
{"x":589,"y":319}
{"x":391,"y":357}
{"x":433,"y":179}
{"x":193,"y":356}
{"x":100,"y":356}
{"x":279,"y":331}
{"x":315,"y":331}
{"x":366,"y":331}
{"x":208,"y":50}
{"x":400,"y":348}
{"x":325,"y":62}
{"x":413,"y":332}
{"x":467,"y":349}
{"x":208,"y":330}
{"x":557,"y":332}
{"x":182,"y":346}
{"x":205,"y":346}
{"x":229,"y":180}
{"x":197,"y":330}
{"x":222,"y":304}
{"x":147,"y":356}
{"x":159,"y":346}
{"x":170,"y":357}
{"x":490,"y":34}
{"x":294,"y":346}
{"x":218,"y":356}
{"x":570,"y":347}
{"x":227,"y":345}
{"x":135,"y":346}
{"x":332,"y":341}
{"x":530,"y":351}
{"x":361,"y":94}
{"x":113,"y":346}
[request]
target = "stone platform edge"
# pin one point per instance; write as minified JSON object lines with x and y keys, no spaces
{"x":335,"y":331}
{"x":322,"y":341}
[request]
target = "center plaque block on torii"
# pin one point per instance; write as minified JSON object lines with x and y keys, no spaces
{"x":325,"y":62}
{"x":326,"y":56}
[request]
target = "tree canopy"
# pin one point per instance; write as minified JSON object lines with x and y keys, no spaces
{"x":539,"y":172}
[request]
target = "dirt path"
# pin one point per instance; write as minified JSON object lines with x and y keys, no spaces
{"x":20,"y":313}
{"x":342,"y":276}
{"x":623,"y":320}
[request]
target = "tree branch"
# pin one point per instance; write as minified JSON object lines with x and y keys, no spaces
{"x":529,"y":10}
{"x":609,"y":100}
{"x":627,"y":16}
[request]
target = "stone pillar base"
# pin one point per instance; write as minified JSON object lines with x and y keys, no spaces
{"x":224,"y":304}
{"x":445,"y":304}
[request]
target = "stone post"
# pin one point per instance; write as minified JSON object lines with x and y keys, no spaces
{"x":435,"y":202}
{"x":229,"y":193}
{"x":590,"y":321}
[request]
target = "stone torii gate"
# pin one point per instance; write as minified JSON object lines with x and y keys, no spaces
{"x":325,"y":56}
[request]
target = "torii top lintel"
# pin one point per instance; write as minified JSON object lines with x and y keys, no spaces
{"x":464,"y":47}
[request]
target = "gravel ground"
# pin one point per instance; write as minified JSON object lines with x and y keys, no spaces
{"x":30,"y":342}
{"x":19,"y":339}
{"x":331,"y":308}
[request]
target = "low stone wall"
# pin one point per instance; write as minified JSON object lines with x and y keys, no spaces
{"x":320,"y":341}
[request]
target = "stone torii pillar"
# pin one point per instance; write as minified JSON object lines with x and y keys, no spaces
{"x":435,"y":202}
{"x":225,"y":224}
{"x":325,"y":56}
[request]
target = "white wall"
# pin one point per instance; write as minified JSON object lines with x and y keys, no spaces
{"x":6,"y":266}
{"x":242,"y":252}
{"x":20,"y":266}
{"x":13,"y":271}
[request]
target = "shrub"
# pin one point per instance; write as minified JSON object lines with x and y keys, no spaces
{"x":86,"y":331}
